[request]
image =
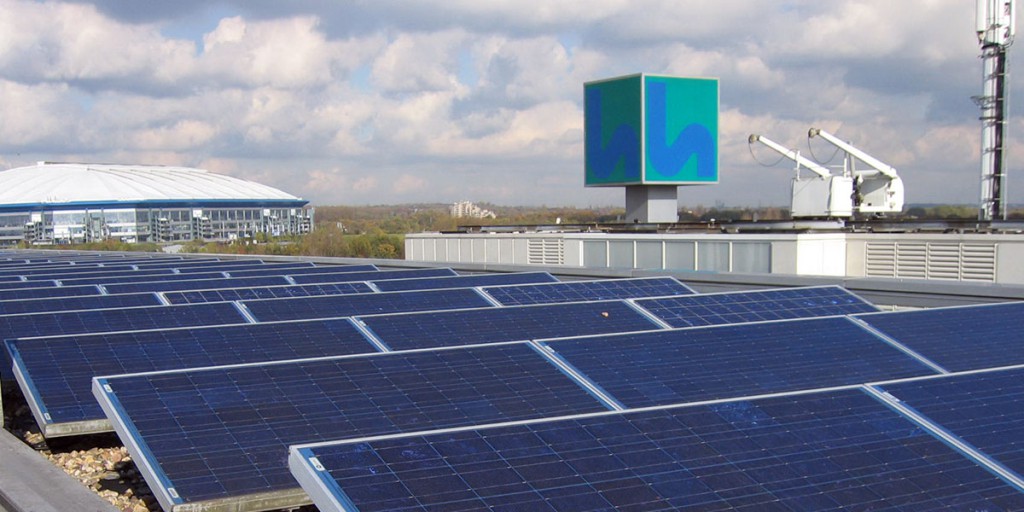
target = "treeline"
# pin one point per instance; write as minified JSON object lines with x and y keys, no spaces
{"x":326,"y":240}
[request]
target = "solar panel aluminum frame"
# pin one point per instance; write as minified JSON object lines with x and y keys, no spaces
{"x":165,"y":493}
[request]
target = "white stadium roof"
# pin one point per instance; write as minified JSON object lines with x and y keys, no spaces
{"x":61,"y":183}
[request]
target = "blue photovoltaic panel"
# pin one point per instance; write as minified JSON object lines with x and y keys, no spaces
{"x":327,"y":306}
{"x":266,"y":292}
{"x":140,"y":277}
{"x":17,"y":285}
{"x":124,"y":319}
{"x":984,"y":409}
{"x":196,"y":284}
{"x":398,"y":285}
{"x":960,"y":338}
{"x":53,"y":291}
{"x":99,"y":273}
{"x":579,"y":291}
{"x":337,"y":277}
{"x":708,"y":363}
{"x":57,"y":372}
{"x":755,"y":306}
{"x":309,"y":269}
{"x":834,"y":451}
{"x":110,"y":320}
{"x":78,"y":303}
{"x":224,"y":433}
{"x":448,"y":328}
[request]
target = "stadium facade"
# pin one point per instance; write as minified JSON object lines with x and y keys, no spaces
{"x":63,"y":203}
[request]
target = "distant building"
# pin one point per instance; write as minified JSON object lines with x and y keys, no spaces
{"x":467,"y":209}
{"x":61,"y":203}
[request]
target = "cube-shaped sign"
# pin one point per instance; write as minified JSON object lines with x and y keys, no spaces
{"x":651,"y":130}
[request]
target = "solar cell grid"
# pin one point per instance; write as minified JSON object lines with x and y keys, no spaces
{"x":396,"y":285}
{"x":77,"y":303}
{"x":959,"y":338}
{"x":122,"y":319}
{"x":266,"y":292}
{"x":327,"y":306}
{"x":338,"y":277}
{"x":53,"y":291}
{"x":755,"y":306}
{"x":708,"y":363}
{"x":180,"y":421}
{"x":449,"y":328}
{"x":140,"y":277}
{"x":579,"y":291}
{"x":195,"y":284}
{"x":17,"y":285}
{"x":984,"y":409}
{"x":57,"y":372}
{"x":836,"y":451}
{"x":98,"y":272}
{"x":305,"y":269}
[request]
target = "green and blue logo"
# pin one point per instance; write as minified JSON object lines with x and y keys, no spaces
{"x":651,"y":130}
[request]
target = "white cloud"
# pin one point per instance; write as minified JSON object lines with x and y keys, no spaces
{"x":434,"y":100}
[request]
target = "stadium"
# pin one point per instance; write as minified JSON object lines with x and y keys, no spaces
{"x":63,"y":203}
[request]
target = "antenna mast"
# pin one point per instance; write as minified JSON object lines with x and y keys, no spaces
{"x":995,"y":26}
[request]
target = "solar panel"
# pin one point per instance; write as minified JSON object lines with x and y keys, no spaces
{"x":397,"y":285}
{"x":466,"y":327}
{"x":959,"y":338}
{"x":222,"y":433}
{"x":708,"y":363}
{"x":51,"y":291}
{"x":77,"y":303}
{"x":327,"y":306}
{"x":110,"y":320}
{"x":336,"y":277}
{"x":196,"y":284}
{"x":140,"y":277}
{"x":985,"y":409}
{"x":266,"y":292}
{"x":81,"y":276}
{"x":829,"y":451}
{"x":579,"y":291}
{"x":56,"y":373}
{"x":17,"y":285}
{"x":308,"y":269}
{"x":755,"y":306}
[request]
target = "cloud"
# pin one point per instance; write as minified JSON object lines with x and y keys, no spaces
{"x":375,"y":102}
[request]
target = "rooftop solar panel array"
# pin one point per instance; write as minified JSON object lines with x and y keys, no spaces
{"x":266,"y":292}
{"x":830,"y":451}
{"x":984,"y":410}
{"x":40,"y":305}
{"x":307,"y":269}
{"x":196,"y":284}
{"x":957,"y":339}
{"x":755,"y":412}
{"x":398,"y":285}
{"x":16,"y":285}
{"x":336,"y":277}
{"x":57,"y":371}
{"x":51,"y":291}
{"x":326,"y":306}
{"x":579,"y":291}
{"x":264,"y":408}
{"x":439,"y":329}
{"x":688,"y":365}
{"x":755,"y":306}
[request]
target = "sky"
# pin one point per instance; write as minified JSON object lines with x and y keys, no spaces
{"x":389,"y":101}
